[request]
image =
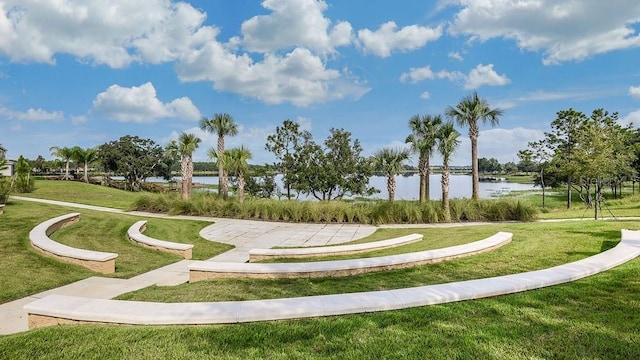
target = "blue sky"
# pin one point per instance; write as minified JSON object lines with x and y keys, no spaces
{"x":83,"y":73}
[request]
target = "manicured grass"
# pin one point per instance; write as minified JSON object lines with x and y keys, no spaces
{"x":552,"y":244}
{"x":594,"y":318}
{"x":79,"y":192}
{"x":25,"y":271}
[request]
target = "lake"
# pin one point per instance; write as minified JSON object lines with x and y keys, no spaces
{"x":408,"y":187}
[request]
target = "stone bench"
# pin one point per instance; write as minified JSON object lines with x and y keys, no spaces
{"x":93,"y":260}
{"x":62,"y":309}
{"x":203,"y":270}
{"x":264,"y":254}
{"x":135,"y":234}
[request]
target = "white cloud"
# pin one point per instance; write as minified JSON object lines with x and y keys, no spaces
{"x":298,"y":77}
{"x":294,"y":23}
{"x":141,"y":105}
{"x":388,"y":38}
{"x":634,"y":92}
{"x":631,"y":118}
{"x":456,"y":55}
{"x":425,"y":95}
{"x":425,"y":73}
{"x":562,"y":30}
{"x":115,"y":33}
{"x":484,"y":75}
{"x":32,"y":114}
{"x":479,"y":76}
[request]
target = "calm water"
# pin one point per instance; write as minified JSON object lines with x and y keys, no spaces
{"x":408,"y":187}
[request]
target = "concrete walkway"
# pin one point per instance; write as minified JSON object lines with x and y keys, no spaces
{"x":244,"y":234}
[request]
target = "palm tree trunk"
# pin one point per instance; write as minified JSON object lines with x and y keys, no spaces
{"x":445,"y":193}
{"x":186,"y":181}
{"x":475,"y":178}
{"x":241,"y":187}
{"x":391,"y":187}
{"x":66,"y":171}
{"x":222,"y":190}
{"x":86,"y":172}
{"x":423,"y":167}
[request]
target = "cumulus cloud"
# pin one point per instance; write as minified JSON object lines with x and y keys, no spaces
{"x":388,"y":38}
{"x":425,"y":73}
{"x":456,"y":55}
{"x":631,"y":118}
{"x":562,"y":30}
{"x":114,"y":33}
{"x":425,"y":95}
{"x":141,"y":105}
{"x":479,"y":76}
{"x":31,"y":114}
{"x":298,"y":77}
{"x":634,"y":92}
{"x":484,"y":75}
{"x":294,"y":23}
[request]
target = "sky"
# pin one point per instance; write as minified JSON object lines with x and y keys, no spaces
{"x":83,"y":73}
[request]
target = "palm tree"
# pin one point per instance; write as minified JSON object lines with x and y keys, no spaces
{"x":222,"y":125}
{"x":390,"y":162}
{"x":423,"y":139}
{"x":66,"y":154}
{"x":447,"y":144}
{"x":235,"y":161}
{"x":184,"y":148}
{"x":467,"y":113}
{"x":85,"y":157}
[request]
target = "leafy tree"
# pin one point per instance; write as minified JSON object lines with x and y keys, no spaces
{"x":22,"y":181}
{"x":222,"y":125}
{"x":390,"y":162}
{"x":263,"y":184}
{"x":510,"y":167}
{"x":447,"y":143}
{"x":600,"y":153}
{"x":38,"y":164}
{"x":184,"y":149}
{"x":331,"y":172}
{"x":424,"y":130}
{"x":563,"y":141}
{"x":284,"y":144}
{"x":489,"y":165}
{"x":469,"y":112}
{"x":235,"y":161}
{"x":65,"y":154}
{"x":136,"y":159}
{"x":539,"y":154}
{"x":85,"y":157}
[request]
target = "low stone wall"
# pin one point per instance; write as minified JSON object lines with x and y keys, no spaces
{"x":98,"y":261}
{"x":135,"y":234}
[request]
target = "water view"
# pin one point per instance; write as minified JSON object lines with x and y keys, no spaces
{"x":407,"y":187}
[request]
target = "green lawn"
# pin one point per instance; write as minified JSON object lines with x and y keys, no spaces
{"x":594,"y":318}
{"x":79,"y":192}
{"x":26,"y":271}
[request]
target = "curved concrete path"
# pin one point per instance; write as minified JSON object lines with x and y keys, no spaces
{"x":60,"y":309}
{"x":244,"y":234}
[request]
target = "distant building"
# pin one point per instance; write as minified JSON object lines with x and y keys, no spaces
{"x":10,"y":163}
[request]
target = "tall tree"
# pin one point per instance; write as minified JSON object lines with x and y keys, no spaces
{"x":601,"y":153}
{"x":22,"y":181}
{"x":184,"y":149}
{"x":135,"y":159}
{"x":470,"y":112}
{"x":447,"y":143}
{"x":65,"y":154}
{"x":85,"y":157}
{"x":563,"y":140}
{"x":390,"y":161}
{"x":538,"y":153}
{"x":235,"y":162}
{"x":284,"y":144}
{"x":223,"y":125}
{"x":424,"y":130}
